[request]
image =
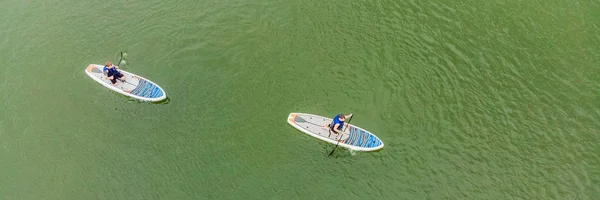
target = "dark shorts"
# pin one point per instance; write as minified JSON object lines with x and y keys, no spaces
{"x":333,"y":130}
{"x":115,"y":77}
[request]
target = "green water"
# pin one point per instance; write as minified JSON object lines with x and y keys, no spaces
{"x":473,"y":99}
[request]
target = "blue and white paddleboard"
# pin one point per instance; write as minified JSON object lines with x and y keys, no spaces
{"x":353,"y":137}
{"x":134,"y":86}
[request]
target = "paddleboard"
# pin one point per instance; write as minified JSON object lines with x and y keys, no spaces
{"x":353,"y":137}
{"x":134,"y":86}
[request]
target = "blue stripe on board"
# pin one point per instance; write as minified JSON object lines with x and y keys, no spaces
{"x":372,"y":141}
{"x":140,"y":84}
{"x":147,"y":89}
{"x":349,"y":136}
{"x":157,"y":93}
{"x":367,"y":141}
{"x":353,"y":138}
{"x":153,"y":93}
{"x":356,"y":138}
{"x":147,"y":86}
{"x":150,"y":91}
{"x":361,"y":138}
{"x":143,"y":84}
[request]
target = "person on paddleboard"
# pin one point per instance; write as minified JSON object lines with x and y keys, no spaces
{"x":337,"y":124}
{"x":112,"y":73}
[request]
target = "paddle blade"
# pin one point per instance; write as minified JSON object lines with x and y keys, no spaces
{"x":122,"y":57}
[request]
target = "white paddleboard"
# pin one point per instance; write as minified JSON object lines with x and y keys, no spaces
{"x":134,"y":86}
{"x":353,"y":137}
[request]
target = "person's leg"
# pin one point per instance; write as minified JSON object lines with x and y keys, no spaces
{"x":326,"y":126}
{"x":121,"y":76}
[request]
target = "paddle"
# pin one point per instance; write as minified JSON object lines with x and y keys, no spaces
{"x":338,"y":142}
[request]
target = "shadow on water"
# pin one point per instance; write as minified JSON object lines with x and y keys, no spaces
{"x":129,"y":99}
{"x":134,"y":100}
{"x":345,"y":153}
{"x":166,"y":101}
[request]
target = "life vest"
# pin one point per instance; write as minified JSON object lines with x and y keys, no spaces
{"x":110,"y":72}
{"x":336,"y":120}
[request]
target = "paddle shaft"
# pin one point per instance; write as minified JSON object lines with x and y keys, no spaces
{"x":338,"y":142}
{"x":120,"y":59}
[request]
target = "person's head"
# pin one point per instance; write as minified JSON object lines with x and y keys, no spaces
{"x":342,"y":117}
{"x":108,"y":64}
